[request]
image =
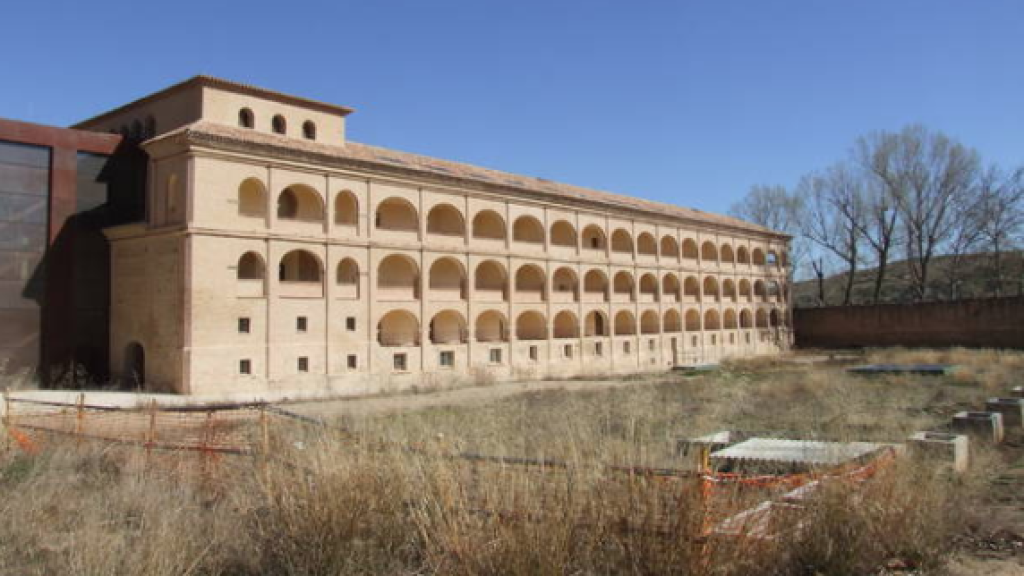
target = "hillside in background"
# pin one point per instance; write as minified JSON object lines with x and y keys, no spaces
{"x":977,"y":280}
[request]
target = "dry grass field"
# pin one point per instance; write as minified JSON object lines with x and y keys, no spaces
{"x":381,"y":491}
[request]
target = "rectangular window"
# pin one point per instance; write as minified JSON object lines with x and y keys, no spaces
{"x":447,"y":359}
{"x":533,"y":353}
{"x":732,"y":338}
{"x":567,"y":350}
{"x":301,"y":323}
{"x":495,"y":355}
{"x":625,"y":347}
{"x":694,"y":341}
{"x":245,"y":366}
{"x":651,"y":345}
{"x":243,"y":325}
{"x":350,"y":324}
{"x":303,"y":364}
{"x":353,"y":362}
{"x":401,"y":362}
{"x":599,"y":348}
{"x":595,"y":242}
{"x":714,"y":339}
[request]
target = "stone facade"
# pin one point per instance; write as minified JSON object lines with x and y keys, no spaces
{"x":277,"y":255}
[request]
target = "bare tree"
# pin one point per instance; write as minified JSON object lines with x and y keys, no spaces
{"x":1000,"y":215}
{"x":834,"y":217}
{"x":929,"y":172}
{"x":883,"y":182}
{"x":965,"y":234}
{"x":775,"y":208}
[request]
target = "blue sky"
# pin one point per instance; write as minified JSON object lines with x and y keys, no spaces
{"x":683,"y":102}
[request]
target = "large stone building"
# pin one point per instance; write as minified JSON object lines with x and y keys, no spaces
{"x":277,"y":255}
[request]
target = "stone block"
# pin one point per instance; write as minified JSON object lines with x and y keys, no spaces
{"x":1012,"y":410}
{"x":952,"y":448}
{"x":982,"y":426}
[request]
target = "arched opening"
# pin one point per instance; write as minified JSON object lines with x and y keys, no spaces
{"x":488,"y":225}
{"x":309,"y":130}
{"x":772,"y":259}
{"x":746,"y":319}
{"x":250,"y":267}
{"x":246,"y":118}
{"x":649,"y":323}
{"x":761,"y":318}
{"x":758,"y":257}
{"x":760,"y":291}
{"x":252,"y":198}
{"x":150,"y":129}
{"x":278,"y":125}
{"x":711,"y":320}
{"x":531,"y":326}
{"x":398,"y":278}
{"x":595,"y":324}
{"x":447,"y":280}
{"x":689,"y":249}
{"x":711,"y":288}
{"x":446,"y":220}
{"x":669,"y":248}
{"x":528,"y":229}
{"x":673,"y":321}
{"x":490,"y":327}
{"x":299,"y":203}
{"x":742,"y":255}
{"x":646,"y":246}
{"x":625,"y":324}
{"x":529,"y":284}
{"x":745,"y":289}
{"x":729,"y":289}
{"x":398,"y":328}
{"x":348,"y":278}
{"x":563,"y":234}
{"x":727,"y":254}
{"x":448,"y":327}
{"x":773,"y":291}
{"x":691,"y":288}
{"x":346,"y":209}
{"x":593,"y":238}
{"x":622,"y":242}
{"x":300,"y":266}
{"x":595,"y":286}
{"x":491,"y":282}
{"x":648,"y":288}
{"x":670,"y":288}
{"x":566,"y":325}
{"x":692,"y":321}
{"x":774,"y":318}
{"x":397,"y":215}
{"x":134,"y":372}
{"x":565,"y":286}
{"x":708,"y":252}
{"x":622,"y":287}
{"x":730,"y":319}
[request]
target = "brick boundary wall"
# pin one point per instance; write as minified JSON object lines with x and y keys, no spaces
{"x":980,"y":323}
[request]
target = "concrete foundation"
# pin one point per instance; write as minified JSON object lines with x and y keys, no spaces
{"x":952,"y":448}
{"x":982,"y":426}
{"x":1012,"y":410}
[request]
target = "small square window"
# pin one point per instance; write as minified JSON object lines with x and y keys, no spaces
{"x":651,"y":345}
{"x":243,"y":325}
{"x":495,"y":355}
{"x":567,"y":350}
{"x":714,"y":339}
{"x":732,"y":338}
{"x":301,"y":324}
{"x":303,"y":364}
{"x":533,"y":353}
{"x":350,"y":323}
{"x":694,"y":341}
{"x":625,"y":347}
{"x":245,"y":366}
{"x":447,"y":359}
{"x":353,"y":361}
{"x":599,"y":348}
{"x":401,"y":362}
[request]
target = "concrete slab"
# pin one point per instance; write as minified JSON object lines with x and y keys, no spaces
{"x":764,"y":453}
{"x":923,"y":369}
{"x":1012,"y":410}
{"x":951,"y":448}
{"x":982,"y":426}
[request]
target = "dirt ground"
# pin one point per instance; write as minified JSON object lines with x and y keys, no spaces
{"x":992,"y":541}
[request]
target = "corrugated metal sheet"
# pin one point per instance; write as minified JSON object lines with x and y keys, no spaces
{"x":808,"y":452}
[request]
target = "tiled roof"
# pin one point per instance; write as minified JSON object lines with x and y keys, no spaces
{"x":363,"y":155}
